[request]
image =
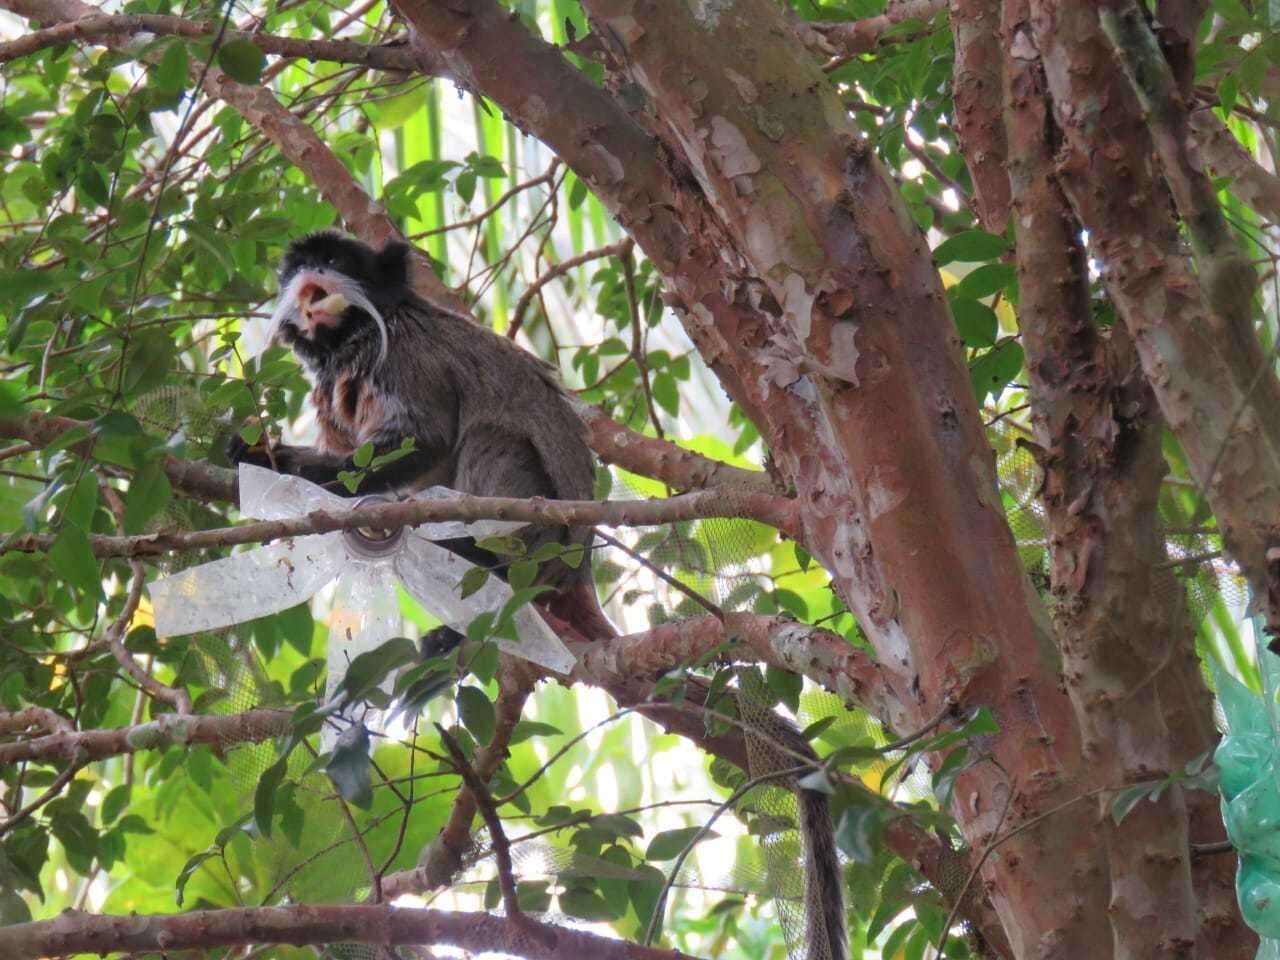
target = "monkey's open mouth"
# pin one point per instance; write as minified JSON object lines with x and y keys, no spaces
{"x":320,"y":307}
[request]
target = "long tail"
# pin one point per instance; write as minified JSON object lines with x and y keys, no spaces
{"x":826,"y":936}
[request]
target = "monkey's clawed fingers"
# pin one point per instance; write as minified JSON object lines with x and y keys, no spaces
{"x":238,"y":451}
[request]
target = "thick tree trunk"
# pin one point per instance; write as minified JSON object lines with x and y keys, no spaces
{"x":804,"y":280}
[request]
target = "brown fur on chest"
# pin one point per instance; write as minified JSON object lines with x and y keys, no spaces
{"x":349,"y":412}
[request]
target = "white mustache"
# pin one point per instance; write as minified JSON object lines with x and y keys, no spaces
{"x":287,"y":303}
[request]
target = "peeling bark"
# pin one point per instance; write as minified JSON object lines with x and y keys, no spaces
{"x":894,"y":469}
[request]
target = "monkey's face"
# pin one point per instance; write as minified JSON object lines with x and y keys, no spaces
{"x":332,"y":289}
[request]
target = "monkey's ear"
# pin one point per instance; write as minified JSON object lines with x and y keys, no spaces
{"x":392,"y":264}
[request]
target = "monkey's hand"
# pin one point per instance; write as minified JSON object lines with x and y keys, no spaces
{"x":239,"y":451}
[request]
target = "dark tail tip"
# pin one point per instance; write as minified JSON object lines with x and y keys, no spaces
{"x":828,"y":933}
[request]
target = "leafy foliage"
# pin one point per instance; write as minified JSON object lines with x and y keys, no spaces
{"x":140,"y":222}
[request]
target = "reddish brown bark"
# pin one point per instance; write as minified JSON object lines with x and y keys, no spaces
{"x":74,"y":932}
{"x":169,"y":729}
{"x":1206,"y":367}
{"x":853,"y":339}
{"x":1099,"y":446}
{"x":975,"y":91}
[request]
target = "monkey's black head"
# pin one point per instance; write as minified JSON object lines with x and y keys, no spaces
{"x":336,"y":291}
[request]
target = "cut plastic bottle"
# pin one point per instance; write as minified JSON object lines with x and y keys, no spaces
{"x":365,"y":612}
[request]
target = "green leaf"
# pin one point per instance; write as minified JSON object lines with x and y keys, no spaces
{"x":89,"y":181}
{"x":11,"y":400}
{"x":784,"y":685}
{"x":534,"y":896}
{"x":528,"y":729}
{"x":73,"y":561}
{"x":644,"y":892}
{"x":363,"y":454}
{"x":215,"y":244}
{"x":487,"y":166}
{"x":79,"y":507}
{"x":577,"y":193}
{"x":13,"y":909}
{"x":944,"y":778}
{"x":970,"y":246}
{"x":521,"y":574}
{"x":78,"y":838}
{"x":503,"y":546}
{"x":976,"y":322}
{"x":473,"y":580}
{"x":242,"y":60}
{"x":297,"y":627}
{"x":149,"y":360}
{"x":1122,"y":803}
{"x":188,"y":871}
{"x":170,"y":74}
{"x":668,"y":844}
{"x":264,"y":795}
{"x":897,"y":938}
{"x":858,"y":831}
{"x":407,"y":446}
{"x":465,"y":184}
{"x":391,"y":112}
{"x":817,"y":728}
{"x":481,"y":627}
{"x":984,"y":281}
{"x":618,"y":825}
{"x":115,"y":802}
{"x":666,"y":393}
{"x":992,"y":371}
{"x":149,"y":493}
{"x":367,"y":671}
{"x":484,"y":664}
{"x":586,"y":905}
{"x":477,"y":713}
{"x":348,"y":767}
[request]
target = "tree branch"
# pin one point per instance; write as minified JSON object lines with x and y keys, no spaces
{"x":613,"y":443}
{"x":1214,"y":384}
{"x":1251,"y":182}
{"x":975,"y":27}
{"x":497,"y":836}
{"x":170,"y":729}
{"x":847,"y":39}
{"x":110,"y":29}
{"x":824,"y":657}
{"x":767,"y":508}
{"x":19,"y":721}
{"x":176,"y":697}
{"x":75,"y":932}
{"x":440,"y":862}
{"x":1101,"y":504}
{"x":1226,"y":276}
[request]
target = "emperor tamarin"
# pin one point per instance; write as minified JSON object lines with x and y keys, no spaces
{"x":486,"y":417}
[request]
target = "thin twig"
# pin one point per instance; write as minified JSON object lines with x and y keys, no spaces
{"x":176,"y":697}
{"x":497,"y":837}
{"x":662,"y":575}
{"x":55,"y":789}
{"x":973,"y":873}
{"x":559,"y":270}
{"x":737,"y":795}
